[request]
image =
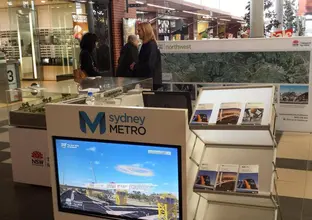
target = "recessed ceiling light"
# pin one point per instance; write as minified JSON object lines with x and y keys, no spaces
{"x":43,"y":2}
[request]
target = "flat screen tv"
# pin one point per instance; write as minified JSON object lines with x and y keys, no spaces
{"x":162,"y":99}
{"x":118,"y":180}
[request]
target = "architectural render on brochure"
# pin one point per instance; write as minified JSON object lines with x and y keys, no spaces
{"x":253,"y":114}
{"x":229,"y":113}
{"x":202,"y":114}
{"x":228,"y":178}
{"x":248,"y":179}
{"x":206,"y":177}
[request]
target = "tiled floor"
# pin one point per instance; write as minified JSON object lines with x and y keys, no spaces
{"x":20,"y":201}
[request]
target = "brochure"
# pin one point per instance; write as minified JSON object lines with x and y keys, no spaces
{"x":227,"y":177}
{"x":202,"y":114}
{"x":253,"y":114}
{"x":248,"y":179}
{"x":229,"y":113}
{"x":206,"y":177}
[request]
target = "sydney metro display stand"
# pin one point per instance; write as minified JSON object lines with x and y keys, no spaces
{"x":234,"y":129}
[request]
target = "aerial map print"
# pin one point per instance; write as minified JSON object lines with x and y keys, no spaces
{"x":289,"y":67}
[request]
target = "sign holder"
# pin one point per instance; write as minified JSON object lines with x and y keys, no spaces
{"x":236,"y":144}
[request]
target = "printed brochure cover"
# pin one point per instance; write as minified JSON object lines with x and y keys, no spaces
{"x":229,"y":113}
{"x":226,"y":180}
{"x":248,"y":179}
{"x":253,"y":114}
{"x":202,"y":114}
{"x":206,"y":177}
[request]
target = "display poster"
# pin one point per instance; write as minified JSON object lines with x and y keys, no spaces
{"x":80,"y":25}
{"x":129,"y":25}
{"x":283,"y":62}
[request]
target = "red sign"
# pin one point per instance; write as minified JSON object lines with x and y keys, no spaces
{"x":37,"y":155}
{"x":286,"y":33}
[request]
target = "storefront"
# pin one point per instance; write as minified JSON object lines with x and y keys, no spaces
{"x":44,"y":35}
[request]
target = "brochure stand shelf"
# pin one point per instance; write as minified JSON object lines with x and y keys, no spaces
{"x":237,"y":163}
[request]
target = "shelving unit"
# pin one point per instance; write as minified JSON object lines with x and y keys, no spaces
{"x":9,"y":44}
{"x":238,"y":144}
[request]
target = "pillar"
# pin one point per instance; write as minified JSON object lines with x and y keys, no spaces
{"x":89,"y":10}
{"x":257,"y":19}
{"x":279,"y":9}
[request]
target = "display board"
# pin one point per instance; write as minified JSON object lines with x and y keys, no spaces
{"x":117,"y":162}
{"x":284,"y":62}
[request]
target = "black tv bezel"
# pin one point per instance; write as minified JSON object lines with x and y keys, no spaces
{"x":186,"y":94}
{"x":97,"y":215}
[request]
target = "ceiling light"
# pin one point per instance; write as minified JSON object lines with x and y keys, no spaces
{"x":195,"y":13}
{"x":10,"y":3}
{"x":139,"y":2}
{"x":223,"y":19}
{"x":43,"y":2}
{"x":57,"y":7}
{"x":159,"y":6}
{"x":141,"y":12}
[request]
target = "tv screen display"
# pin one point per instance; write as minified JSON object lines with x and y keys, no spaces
{"x":161,"y":99}
{"x":118,"y":180}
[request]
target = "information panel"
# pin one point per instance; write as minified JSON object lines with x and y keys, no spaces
{"x":284,"y":62}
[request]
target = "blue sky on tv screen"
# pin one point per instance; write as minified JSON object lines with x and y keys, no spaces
{"x":118,"y":163}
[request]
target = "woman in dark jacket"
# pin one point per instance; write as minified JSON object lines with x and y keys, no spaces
{"x":87,"y":63}
{"x":149,"y":64}
{"x":128,"y":55}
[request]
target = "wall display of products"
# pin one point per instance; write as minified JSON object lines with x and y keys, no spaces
{"x":284,"y":62}
{"x":228,"y":177}
{"x":56,"y":46}
{"x":9,"y":44}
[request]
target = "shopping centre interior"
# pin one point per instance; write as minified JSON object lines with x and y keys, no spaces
{"x":203,"y":49}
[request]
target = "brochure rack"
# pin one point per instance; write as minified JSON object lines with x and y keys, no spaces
{"x":220,"y":121}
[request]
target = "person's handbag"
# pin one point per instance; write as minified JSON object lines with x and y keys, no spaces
{"x":79,"y":75}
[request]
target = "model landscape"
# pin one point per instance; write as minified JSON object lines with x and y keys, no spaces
{"x":33,"y":116}
{"x":102,"y":186}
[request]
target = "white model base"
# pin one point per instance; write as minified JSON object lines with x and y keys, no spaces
{"x":30,"y":156}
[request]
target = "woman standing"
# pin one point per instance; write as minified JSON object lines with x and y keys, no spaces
{"x":149,"y":64}
{"x":128,"y":55}
{"x":87,"y":63}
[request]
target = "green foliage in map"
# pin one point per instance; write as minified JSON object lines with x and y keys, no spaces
{"x":239,"y":67}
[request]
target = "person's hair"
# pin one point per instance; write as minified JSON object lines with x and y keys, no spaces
{"x":148,"y":33}
{"x":132,"y":38}
{"x":88,"y":42}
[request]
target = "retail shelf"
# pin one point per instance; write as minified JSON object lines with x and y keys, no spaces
{"x":265,"y":200}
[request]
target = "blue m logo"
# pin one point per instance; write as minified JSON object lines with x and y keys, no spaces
{"x":85,"y":121}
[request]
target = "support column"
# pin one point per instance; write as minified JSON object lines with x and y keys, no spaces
{"x":89,"y":10}
{"x":256,"y":19}
{"x":279,"y":9}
